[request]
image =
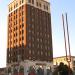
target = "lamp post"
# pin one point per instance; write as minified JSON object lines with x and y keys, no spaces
{"x":19,"y":60}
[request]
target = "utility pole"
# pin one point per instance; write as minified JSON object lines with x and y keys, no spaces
{"x":66,"y":50}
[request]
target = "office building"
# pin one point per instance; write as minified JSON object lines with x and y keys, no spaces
{"x":29,"y":32}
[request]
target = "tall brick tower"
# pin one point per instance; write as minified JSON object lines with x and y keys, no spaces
{"x":29,"y":32}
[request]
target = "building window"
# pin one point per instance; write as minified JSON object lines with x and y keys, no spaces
{"x":11,"y":18}
{"x":29,"y":44}
{"x":22,"y":37}
{"x":33,"y":45}
{"x":38,"y":39}
{"x":22,"y":24}
{"x":32,"y":38}
{"x":47,"y":7}
{"x":38,"y":45}
{"x":16,"y":21}
{"x":41,"y":46}
{"x":37,"y":3}
{"x":32,"y":1}
{"x":11,"y":14}
{"x":16,"y":40}
{"x":29,"y":38}
{"x":38,"y":53}
{"x":22,"y":12}
{"x":16,"y":4}
{"x":22,"y":31}
{"x":41,"y":53}
{"x":29,"y":51}
{"x":46,"y":53}
{"x":16,"y":10}
{"x":40,"y":4}
{"x":33,"y":52}
{"x":44,"y":6}
{"x":16,"y":34}
{"x":22,"y":18}
{"x":16,"y":16}
{"x":16,"y":28}
{"x":48,"y":35}
{"x":22,"y":1}
{"x":33,"y":32}
{"x":9,"y":9}
{"x":46,"y":47}
{"x":22,"y":6}
{"x":29,"y":31}
{"x":29,"y":1}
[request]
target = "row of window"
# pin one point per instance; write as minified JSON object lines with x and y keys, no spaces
{"x":15,"y":19}
{"x":39,"y":52}
{"x":39,"y":4}
{"x":21,"y":12}
{"x":15,"y":5}
{"x":39,"y":46}
{"x":16,"y":28}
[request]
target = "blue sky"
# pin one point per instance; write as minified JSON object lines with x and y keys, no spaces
{"x":57,"y":8}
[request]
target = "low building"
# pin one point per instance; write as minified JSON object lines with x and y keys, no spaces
{"x":2,"y":71}
{"x":57,"y":60}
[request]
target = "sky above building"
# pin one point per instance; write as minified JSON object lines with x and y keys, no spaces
{"x":57,"y":8}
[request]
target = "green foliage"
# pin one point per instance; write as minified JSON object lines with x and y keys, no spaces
{"x":63,"y":70}
{"x":9,"y":70}
{"x":21,"y":69}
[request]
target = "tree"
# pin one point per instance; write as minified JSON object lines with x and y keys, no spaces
{"x":63,"y":70}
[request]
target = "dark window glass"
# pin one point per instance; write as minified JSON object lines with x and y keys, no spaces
{"x":29,"y":1}
{"x":22,"y":6}
{"x":47,"y":7}
{"x":44,"y":6}
{"x":40,"y":4}
{"x":22,"y":12}
{"x":22,"y":1}
{"x":22,"y":38}
{"x":16,"y":21}
{"x":32,"y":1}
{"x":16,"y":34}
{"x":16,"y":40}
{"x":37,"y":3}
{"x":22,"y":18}
{"x":16,"y":16}
{"x":16,"y":10}
{"x":22,"y":31}
{"x":16,"y":28}
{"x":22,"y":25}
{"x":16,"y":4}
{"x":11,"y":14}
